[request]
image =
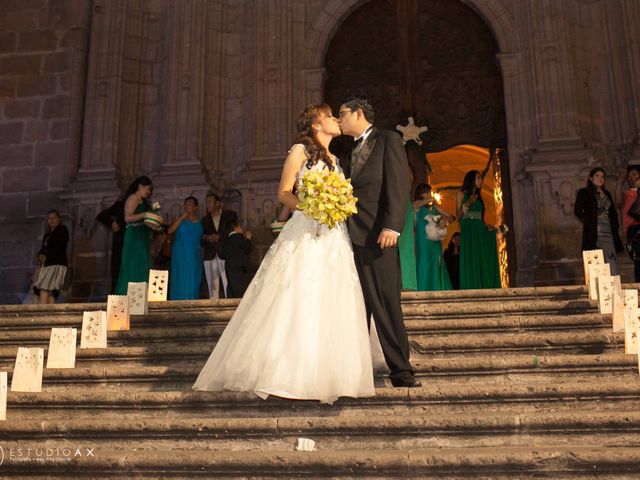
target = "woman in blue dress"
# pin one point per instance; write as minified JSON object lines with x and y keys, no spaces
{"x":186,"y":261}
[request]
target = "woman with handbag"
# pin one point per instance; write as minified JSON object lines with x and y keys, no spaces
{"x":479,"y":266}
{"x":431,"y":228}
{"x":594,"y":207}
{"x":631,"y":218}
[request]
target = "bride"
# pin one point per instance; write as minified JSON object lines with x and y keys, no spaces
{"x":300,"y":330}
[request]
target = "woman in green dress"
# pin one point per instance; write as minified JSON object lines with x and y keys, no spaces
{"x":430,"y":266}
{"x":136,"y":251}
{"x":407,"y":251}
{"x":478,"y":250}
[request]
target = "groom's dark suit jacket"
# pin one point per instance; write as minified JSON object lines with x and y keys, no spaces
{"x":380,"y":177}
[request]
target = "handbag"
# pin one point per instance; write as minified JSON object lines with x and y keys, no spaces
{"x":165,"y":251}
{"x":432,"y":230}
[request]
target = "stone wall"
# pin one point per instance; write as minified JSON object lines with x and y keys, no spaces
{"x":202,"y":94}
{"x":43,"y":51}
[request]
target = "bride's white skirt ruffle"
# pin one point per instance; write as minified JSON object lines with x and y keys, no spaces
{"x":300,"y":331}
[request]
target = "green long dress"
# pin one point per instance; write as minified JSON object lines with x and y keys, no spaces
{"x":136,"y":254}
{"x":406,"y":250}
{"x":479,"y":266}
{"x":431,"y":269}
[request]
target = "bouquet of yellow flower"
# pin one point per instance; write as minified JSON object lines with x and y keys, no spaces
{"x":326,"y":196}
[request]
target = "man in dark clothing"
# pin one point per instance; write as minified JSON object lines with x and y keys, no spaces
{"x":236,"y":248}
{"x":214,"y":227}
{"x":113,"y":219}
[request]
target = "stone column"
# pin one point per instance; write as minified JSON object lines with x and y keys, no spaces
{"x":104,"y":91}
{"x":185,"y":91}
{"x":629,"y":13}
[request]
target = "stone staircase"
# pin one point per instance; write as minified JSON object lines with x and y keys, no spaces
{"x":517,"y":383}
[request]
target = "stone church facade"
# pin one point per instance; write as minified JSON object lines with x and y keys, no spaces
{"x":203,"y":94}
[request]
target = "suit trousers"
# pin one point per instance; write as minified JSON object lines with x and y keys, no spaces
{"x":381,"y":281}
{"x":214,"y":271}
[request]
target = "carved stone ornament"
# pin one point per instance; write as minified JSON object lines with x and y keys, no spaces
{"x":411,"y":132}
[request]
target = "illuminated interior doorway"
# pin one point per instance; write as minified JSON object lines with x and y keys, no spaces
{"x":449,"y":167}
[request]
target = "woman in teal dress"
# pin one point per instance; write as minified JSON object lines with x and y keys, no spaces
{"x":186,"y":261}
{"x":407,"y":251}
{"x":479,"y":266}
{"x":136,"y":251}
{"x":430,"y":266}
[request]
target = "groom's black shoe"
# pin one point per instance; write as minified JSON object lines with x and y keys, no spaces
{"x":405,"y":381}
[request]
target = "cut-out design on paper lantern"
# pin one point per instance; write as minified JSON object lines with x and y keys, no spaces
{"x":631,"y":326}
{"x":158,"y":285}
{"x":94,"y":330}
{"x":62,"y":348}
{"x":3,"y":396}
{"x":625,"y":302}
{"x":596,"y":270}
{"x":27,"y":373}
{"x":117,"y":312}
{"x":137,"y":293}
{"x":591,"y":257}
{"x":606,"y":285}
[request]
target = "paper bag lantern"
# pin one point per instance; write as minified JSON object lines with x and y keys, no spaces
{"x":631,"y":326}
{"x":94,"y":330}
{"x":624,"y":303}
{"x":591,"y":257}
{"x":617,"y":310}
{"x":158,"y":285}
{"x":3,"y":395}
{"x":596,"y":270}
{"x":27,"y":373}
{"x":137,"y":293}
{"x":117,"y":312}
{"x":62,"y":348}
{"x":606,"y":285}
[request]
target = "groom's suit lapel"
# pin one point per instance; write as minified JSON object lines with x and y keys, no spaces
{"x":364,"y":153}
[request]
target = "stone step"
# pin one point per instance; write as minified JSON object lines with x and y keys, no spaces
{"x":435,"y":304}
{"x":575,"y":461}
{"x":376,"y":431}
{"x":510,"y":322}
{"x":594,"y":340}
{"x":126,"y":401}
{"x":482,"y":369}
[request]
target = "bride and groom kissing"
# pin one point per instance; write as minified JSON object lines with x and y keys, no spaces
{"x":302,"y":329}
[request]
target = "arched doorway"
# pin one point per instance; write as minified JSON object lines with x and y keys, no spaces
{"x":434,"y":60}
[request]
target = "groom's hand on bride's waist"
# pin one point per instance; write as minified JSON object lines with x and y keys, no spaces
{"x":387,"y":238}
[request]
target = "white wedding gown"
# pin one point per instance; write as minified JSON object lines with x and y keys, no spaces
{"x":300,"y":330}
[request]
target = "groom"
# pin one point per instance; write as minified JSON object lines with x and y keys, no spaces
{"x":379,"y":173}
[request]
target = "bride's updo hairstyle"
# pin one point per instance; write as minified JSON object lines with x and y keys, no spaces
{"x":307,"y":135}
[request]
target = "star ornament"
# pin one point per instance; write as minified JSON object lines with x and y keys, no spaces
{"x":411,"y":132}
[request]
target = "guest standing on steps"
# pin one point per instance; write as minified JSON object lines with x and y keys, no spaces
{"x":479,"y":266}
{"x":136,"y":252}
{"x":113,"y":219}
{"x":186,"y":261}
{"x":594,"y":207}
{"x":52,"y":258}
{"x":236,"y":248}
{"x":214,"y":235}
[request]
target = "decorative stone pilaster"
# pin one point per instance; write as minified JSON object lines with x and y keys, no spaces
{"x":279,"y":59}
{"x":185,"y":93}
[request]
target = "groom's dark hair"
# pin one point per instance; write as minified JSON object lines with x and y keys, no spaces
{"x":355,"y":101}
